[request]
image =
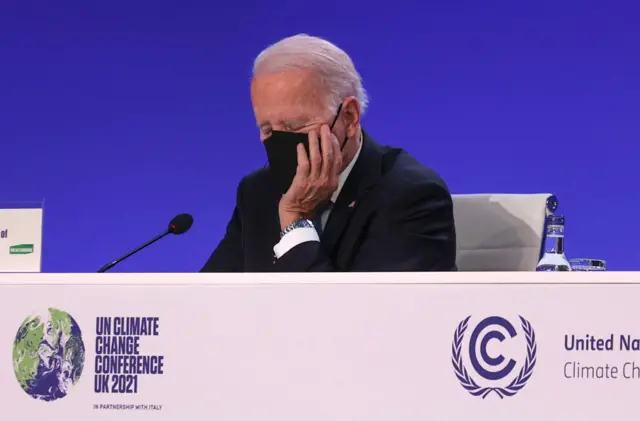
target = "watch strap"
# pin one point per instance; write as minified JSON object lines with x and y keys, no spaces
{"x":298,"y":223}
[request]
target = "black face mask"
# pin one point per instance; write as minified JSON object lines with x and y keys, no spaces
{"x":282,"y":152}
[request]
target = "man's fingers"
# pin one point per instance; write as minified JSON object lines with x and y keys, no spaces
{"x":337,"y":158}
{"x":328,"y":151}
{"x":302,"y":170}
{"x":315,"y":156}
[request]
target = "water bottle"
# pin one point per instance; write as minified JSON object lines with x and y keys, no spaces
{"x":554,"y":259}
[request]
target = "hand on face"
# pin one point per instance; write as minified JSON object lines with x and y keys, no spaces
{"x":316,"y":177}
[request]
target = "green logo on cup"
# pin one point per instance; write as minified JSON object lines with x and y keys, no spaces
{"x":21,"y":249}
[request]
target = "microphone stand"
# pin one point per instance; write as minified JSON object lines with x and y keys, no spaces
{"x":134,"y":251}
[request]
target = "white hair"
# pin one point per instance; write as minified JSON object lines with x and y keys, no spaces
{"x":332,"y":65}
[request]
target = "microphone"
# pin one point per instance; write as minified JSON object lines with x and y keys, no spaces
{"x":178,"y":225}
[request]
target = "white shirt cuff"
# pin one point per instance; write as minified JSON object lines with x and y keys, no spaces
{"x":294,"y":238}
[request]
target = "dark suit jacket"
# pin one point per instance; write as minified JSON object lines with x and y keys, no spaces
{"x":392,"y":214}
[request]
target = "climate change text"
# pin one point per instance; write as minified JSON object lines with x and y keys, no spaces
{"x":119,"y":361}
{"x":590,"y":366}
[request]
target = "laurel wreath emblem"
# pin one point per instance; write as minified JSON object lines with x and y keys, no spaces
{"x":515,"y":386}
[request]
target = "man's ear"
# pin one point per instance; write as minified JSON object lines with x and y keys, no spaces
{"x":351,"y":116}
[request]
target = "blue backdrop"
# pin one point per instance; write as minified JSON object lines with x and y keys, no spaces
{"x":122,"y":114}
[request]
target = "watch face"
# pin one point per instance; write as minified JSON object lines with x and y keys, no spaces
{"x":300,"y":223}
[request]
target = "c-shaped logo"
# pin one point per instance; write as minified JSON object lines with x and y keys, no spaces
{"x":485,"y":371}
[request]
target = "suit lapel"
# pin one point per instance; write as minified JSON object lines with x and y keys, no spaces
{"x":364,"y":175}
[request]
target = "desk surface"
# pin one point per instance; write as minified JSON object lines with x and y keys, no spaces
{"x":320,"y":278}
{"x":451,"y":346}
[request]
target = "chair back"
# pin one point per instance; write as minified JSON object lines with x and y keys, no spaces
{"x":499,"y":232}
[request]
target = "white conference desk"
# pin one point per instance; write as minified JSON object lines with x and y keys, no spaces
{"x":320,"y":347}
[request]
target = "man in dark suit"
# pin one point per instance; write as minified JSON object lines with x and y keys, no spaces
{"x":331,"y":198}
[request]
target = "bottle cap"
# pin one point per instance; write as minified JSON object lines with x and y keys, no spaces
{"x":552,"y":204}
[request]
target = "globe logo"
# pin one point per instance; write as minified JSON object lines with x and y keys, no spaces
{"x":48,"y":355}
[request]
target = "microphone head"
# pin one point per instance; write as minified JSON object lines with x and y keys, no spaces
{"x":180,"y":224}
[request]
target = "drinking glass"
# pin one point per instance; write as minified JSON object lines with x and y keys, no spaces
{"x":588,"y":265}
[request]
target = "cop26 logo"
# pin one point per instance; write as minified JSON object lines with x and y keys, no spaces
{"x":492,"y":368}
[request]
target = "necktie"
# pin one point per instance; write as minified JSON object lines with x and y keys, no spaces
{"x":317,"y":216}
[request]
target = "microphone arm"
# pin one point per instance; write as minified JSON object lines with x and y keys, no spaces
{"x":132,"y":252}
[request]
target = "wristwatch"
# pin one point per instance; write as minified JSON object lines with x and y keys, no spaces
{"x":299,"y":223}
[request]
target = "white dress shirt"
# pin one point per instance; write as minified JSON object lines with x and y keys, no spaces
{"x":303,"y":235}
